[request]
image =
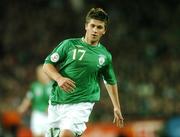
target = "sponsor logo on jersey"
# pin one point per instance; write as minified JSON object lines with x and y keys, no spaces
{"x":55,"y":57}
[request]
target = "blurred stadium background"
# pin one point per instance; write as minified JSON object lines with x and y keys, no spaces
{"x":143,"y":37}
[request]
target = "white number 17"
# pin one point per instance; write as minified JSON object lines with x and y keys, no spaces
{"x":78,"y":51}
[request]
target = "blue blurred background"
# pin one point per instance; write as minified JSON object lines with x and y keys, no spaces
{"x":143,"y":37}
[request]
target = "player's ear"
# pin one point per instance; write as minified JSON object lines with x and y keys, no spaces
{"x":104,"y":32}
{"x":85,"y":26}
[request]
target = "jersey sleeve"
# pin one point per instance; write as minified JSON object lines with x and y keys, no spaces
{"x":29,"y":95}
{"x":108,"y":73}
{"x":58,"y":54}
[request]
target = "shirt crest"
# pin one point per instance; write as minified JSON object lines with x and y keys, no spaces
{"x":101,"y":60}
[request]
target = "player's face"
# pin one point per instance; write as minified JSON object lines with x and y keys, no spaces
{"x":94,"y":30}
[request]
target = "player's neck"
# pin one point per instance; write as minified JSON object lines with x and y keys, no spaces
{"x":93,"y":43}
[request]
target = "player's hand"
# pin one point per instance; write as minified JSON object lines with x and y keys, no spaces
{"x":118,"y":119}
{"x":66,"y":84}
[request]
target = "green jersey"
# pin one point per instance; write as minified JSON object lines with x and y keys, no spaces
{"x":39,"y":95}
{"x":85,"y":65}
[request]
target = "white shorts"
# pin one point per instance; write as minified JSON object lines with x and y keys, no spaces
{"x":68,"y":116}
{"x":38,"y":122}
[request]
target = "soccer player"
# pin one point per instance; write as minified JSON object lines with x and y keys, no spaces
{"x":76,"y":65}
{"x":37,"y":98}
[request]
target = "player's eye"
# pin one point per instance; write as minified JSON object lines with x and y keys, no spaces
{"x":100,"y":27}
{"x":92,"y":25}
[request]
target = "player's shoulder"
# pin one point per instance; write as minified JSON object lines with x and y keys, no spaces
{"x":68,"y":42}
{"x":106,"y":52}
{"x":104,"y":48}
{"x":72,"y":40}
{"x":35,"y":83}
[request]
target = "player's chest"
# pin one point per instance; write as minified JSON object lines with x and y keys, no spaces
{"x":85,"y":57}
{"x":40,"y":91}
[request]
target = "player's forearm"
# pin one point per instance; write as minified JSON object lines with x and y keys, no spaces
{"x":51,"y":71}
{"x":26,"y":103}
{"x":113,"y":93}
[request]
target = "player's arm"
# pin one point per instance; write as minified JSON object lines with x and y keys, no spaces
{"x":113,"y":93}
{"x":111,"y":86}
{"x":65,"y":83}
{"x":24,"y":106}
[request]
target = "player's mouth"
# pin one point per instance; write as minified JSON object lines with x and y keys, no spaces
{"x":94,"y":35}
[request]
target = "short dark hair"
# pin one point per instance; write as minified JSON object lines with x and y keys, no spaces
{"x":98,"y":14}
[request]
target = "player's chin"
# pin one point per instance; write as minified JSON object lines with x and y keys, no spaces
{"x":95,"y":39}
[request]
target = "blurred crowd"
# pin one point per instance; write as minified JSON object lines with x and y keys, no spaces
{"x":143,"y":38}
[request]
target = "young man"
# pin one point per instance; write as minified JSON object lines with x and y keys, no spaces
{"x":37,"y":98}
{"x":77,"y":65}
